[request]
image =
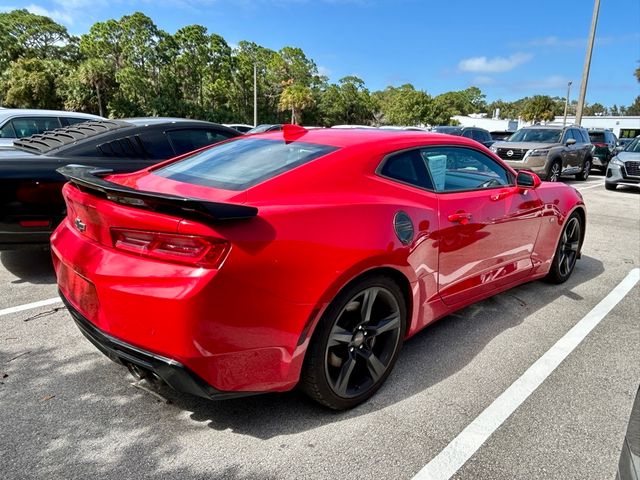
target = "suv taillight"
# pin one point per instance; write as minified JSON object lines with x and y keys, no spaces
{"x":188,"y":249}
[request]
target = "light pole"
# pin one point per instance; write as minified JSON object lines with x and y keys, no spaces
{"x":566,"y":103}
{"x":255,"y":95}
{"x":587,"y":63}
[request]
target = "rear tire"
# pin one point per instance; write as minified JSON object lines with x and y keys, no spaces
{"x":567,"y":251}
{"x":610,"y":186}
{"x":586,"y":169}
{"x":356,"y":343}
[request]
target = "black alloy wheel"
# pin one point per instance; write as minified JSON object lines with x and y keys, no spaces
{"x":586,"y":169}
{"x":356,"y":344}
{"x":554,"y":171}
{"x":567,"y":250}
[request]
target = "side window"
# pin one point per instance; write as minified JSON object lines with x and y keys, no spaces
{"x":454,"y":169}
{"x":157,"y":145}
{"x":407,"y":167}
{"x":580,"y":136}
{"x":68,"y":121}
{"x":568,"y":134}
{"x":186,"y":140}
{"x":468,"y":133}
{"x":6,"y":131}
{"x":126,"y":147}
{"x":28,"y":126}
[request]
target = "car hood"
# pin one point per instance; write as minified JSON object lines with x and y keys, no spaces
{"x":524,"y":145}
{"x":628,"y":156}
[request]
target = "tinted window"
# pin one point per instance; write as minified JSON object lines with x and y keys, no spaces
{"x":240,"y":164}
{"x":6,"y":131}
{"x":448,"y":130}
{"x":27,"y":126}
{"x":597,"y":137}
{"x":126,"y":147}
{"x":184,"y":141}
{"x":407,"y":167}
{"x":568,"y":135}
{"x":453,"y":169}
{"x":541,"y":135}
{"x":67,"y":121}
{"x":157,"y":145}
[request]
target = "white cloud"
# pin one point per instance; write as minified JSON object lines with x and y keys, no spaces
{"x":59,"y":15}
{"x":557,"y":42}
{"x":324,"y":71}
{"x":493,"y":65}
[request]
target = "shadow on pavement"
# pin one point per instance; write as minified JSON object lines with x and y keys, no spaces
{"x":69,"y":411}
{"x":30,"y":266}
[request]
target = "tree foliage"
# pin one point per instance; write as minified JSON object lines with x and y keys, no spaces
{"x":130,"y":67}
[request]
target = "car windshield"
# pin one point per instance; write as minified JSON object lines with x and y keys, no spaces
{"x":240,"y":164}
{"x":634,"y":146}
{"x":537,"y":135}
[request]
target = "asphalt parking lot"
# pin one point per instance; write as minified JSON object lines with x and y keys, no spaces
{"x":68,"y":412}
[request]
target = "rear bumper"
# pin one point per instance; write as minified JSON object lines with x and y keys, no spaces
{"x":13,"y":237}
{"x":170,"y":371}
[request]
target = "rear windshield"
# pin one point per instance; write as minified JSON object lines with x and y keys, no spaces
{"x":447,"y":130}
{"x":240,"y":164}
{"x":597,"y":137}
{"x":540,"y":135}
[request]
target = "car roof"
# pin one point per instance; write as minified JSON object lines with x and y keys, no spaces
{"x":6,"y":113}
{"x":347,"y":137}
{"x":142,"y":121}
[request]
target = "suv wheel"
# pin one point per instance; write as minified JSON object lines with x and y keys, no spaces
{"x":586,"y":167}
{"x":553,"y":175}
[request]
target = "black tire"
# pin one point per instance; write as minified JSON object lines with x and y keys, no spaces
{"x":351,"y":352}
{"x":553,"y":174}
{"x":586,"y":169}
{"x":610,"y":186}
{"x":567,"y":250}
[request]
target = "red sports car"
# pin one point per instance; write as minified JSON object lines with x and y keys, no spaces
{"x":301,"y":257}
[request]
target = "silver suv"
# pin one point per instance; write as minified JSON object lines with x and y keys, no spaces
{"x":549,"y":151}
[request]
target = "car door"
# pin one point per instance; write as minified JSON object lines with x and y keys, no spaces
{"x":487,"y":226}
{"x":570,"y":157}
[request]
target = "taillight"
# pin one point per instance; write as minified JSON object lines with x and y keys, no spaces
{"x":600,"y":144}
{"x":189,"y":249}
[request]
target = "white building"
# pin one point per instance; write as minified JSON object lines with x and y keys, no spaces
{"x":622,"y":127}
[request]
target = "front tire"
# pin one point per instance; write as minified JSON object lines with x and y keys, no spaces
{"x":555,"y":169}
{"x":586,"y":169}
{"x":356,"y":343}
{"x":610,"y":186}
{"x":567,"y":250}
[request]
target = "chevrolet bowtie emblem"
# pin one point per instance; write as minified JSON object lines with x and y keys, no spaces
{"x":80,"y":225}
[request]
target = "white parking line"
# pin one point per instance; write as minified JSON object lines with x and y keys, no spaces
{"x":462,"y":448}
{"x":29,"y":306}
{"x":592,"y":186}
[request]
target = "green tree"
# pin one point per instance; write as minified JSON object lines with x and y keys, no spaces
{"x":295,"y":97}
{"x":538,"y":108}
{"x":33,"y":83}
{"x":404,"y":105}
{"x":634,"y":108}
{"x":464,"y":102}
{"x":348,"y":102}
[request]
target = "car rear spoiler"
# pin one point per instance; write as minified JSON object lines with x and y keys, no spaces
{"x":88,"y":178}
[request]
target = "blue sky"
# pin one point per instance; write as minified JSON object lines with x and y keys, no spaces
{"x":509,"y":49}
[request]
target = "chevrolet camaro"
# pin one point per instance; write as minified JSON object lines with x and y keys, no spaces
{"x":300,"y":257}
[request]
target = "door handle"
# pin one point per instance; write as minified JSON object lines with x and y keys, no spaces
{"x":460,"y":217}
{"x":502,"y":194}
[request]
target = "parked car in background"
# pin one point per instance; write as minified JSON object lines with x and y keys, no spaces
{"x":622,"y":143}
{"x":240,"y":127}
{"x":31,"y":203}
{"x":300,"y":257}
{"x":500,"y":135}
{"x":19,"y":123}
{"x":548,"y":150}
{"x":480,"y":135}
{"x":624,"y":167}
{"x":604,"y":147}
{"x":266,"y":127}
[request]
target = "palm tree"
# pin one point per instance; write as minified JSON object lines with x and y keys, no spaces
{"x":296,"y":98}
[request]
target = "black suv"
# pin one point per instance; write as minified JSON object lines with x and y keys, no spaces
{"x":474,"y":133}
{"x":604,"y":147}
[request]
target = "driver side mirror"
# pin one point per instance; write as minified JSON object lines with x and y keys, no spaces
{"x":527,"y":180}
{"x":570,"y":141}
